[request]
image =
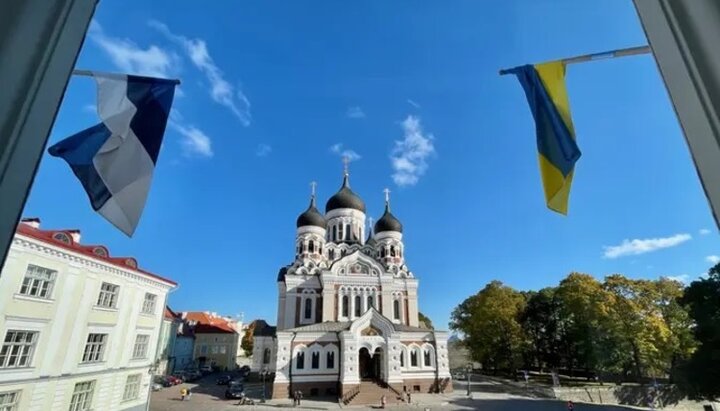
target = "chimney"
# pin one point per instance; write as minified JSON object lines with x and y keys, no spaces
{"x":31,"y":221}
{"x":75,"y":234}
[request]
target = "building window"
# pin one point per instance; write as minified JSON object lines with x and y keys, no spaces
{"x":300,"y":361}
{"x":308,"y":308}
{"x":358,"y":306}
{"x":141,"y":346}
{"x":82,"y":396}
{"x":38,"y":281}
{"x":382,"y":252}
{"x":132,"y":387}
{"x":315,"y":360}
{"x":402,"y":358}
{"x":17,"y":349}
{"x":149,"y":303}
{"x":266,"y":356}
{"x":426,"y":357}
{"x":95,"y":348}
{"x":345,"y":305}
{"x":223,"y":349}
{"x":347,"y":232}
{"x":9,"y":401}
{"x":396,"y":309}
{"x":203,"y":349}
{"x":214,"y":349}
{"x":334,"y":233}
{"x":392,"y":251}
{"x":413,"y":358}
{"x":108,"y":295}
{"x":330,"y":360}
{"x":312,"y":246}
{"x":370,"y":302}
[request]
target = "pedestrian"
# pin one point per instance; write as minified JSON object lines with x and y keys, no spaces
{"x":404,"y":393}
{"x":570,"y":406}
{"x":295,"y":398}
{"x":299,"y":397}
{"x":383,"y":401}
{"x":183,"y":393}
{"x":409,"y":398}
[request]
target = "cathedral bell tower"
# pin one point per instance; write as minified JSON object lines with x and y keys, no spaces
{"x":310,"y":239}
{"x":345,"y":214}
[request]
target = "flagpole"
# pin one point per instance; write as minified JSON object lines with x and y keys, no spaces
{"x":88,"y":73}
{"x":630,"y":51}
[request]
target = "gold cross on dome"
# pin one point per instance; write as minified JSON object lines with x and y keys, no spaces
{"x":387,"y":195}
{"x":313,"y":185}
{"x":346,"y":164}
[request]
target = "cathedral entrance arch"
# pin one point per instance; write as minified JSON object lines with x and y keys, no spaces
{"x":369,"y":365}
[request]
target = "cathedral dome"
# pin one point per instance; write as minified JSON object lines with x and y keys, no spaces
{"x":311,"y":216}
{"x":388,"y":222}
{"x":345,"y":198}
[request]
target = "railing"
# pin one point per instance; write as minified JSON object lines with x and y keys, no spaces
{"x":348,"y":396}
{"x":391,"y":388}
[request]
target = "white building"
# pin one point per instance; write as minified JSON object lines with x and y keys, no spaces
{"x":80,"y":327}
{"x":347,"y":320}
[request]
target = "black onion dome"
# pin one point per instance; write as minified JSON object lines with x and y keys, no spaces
{"x":311,"y":216}
{"x":388,"y":222}
{"x":345,"y":198}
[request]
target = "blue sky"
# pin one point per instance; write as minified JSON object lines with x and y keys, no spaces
{"x":272,"y":91}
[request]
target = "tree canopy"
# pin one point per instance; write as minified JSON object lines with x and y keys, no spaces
{"x":424,"y":319}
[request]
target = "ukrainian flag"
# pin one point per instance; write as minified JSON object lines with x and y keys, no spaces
{"x":544,"y":86}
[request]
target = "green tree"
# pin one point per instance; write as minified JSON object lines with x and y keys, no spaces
{"x":541,"y":323}
{"x":247,"y":341}
{"x":425,"y":320}
{"x":700,"y":376}
{"x":490,"y":322}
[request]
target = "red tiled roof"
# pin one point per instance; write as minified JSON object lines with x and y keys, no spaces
{"x":98,"y":252}
{"x":170,"y":314}
{"x":208,"y":324}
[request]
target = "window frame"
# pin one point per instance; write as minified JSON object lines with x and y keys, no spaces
{"x":26,"y":349}
{"x":81,"y":399}
{"x":108,"y":298}
{"x":345,"y":309}
{"x":300,"y":360}
{"x":358,"y":306}
{"x":13,"y":403}
{"x":315,"y":360}
{"x":132,"y":388}
{"x":40,"y":285}
{"x":140,"y":348}
{"x":149,"y":304}
{"x":94,"y":351}
{"x":330,"y":360}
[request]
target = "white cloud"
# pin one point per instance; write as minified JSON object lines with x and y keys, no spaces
{"x":352,"y":155}
{"x":89,"y":108}
{"x":682,"y":278}
{"x":131,"y":58}
{"x":263,"y":150}
{"x":221,"y":91}
{"x":355,"y":112}
{"x":409,"y":156}
{"x":642,"y":246}
{"x":712,"y":259}
{"x":195,"y":142}
{"x":413,"y":103}
{"x":704,"y":231}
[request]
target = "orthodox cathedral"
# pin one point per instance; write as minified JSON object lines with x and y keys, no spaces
{"x":347,"y":318}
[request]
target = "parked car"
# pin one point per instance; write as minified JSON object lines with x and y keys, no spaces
{"x":174,"y":380}
{"x":206,"y":369}
{"x":236,"y":381}
{"x":192,"y":375}
{"x":245,"y":368}
{"x":235,"y":391}
{"x":459,"y":376}
{"x":162,"y":380}
{"x":156,"y":386}
{"x":224,"y":380}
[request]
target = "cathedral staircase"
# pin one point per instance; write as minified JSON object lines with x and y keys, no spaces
{"x":370,"y":392}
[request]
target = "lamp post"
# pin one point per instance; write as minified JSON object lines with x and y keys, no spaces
{"x":263,"y":373}
{"x":469,"y":370}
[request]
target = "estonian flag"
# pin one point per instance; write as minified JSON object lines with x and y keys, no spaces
{"x":544,"y":86}
{"x":115,"y":159}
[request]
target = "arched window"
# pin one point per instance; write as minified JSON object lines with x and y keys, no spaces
{"x":266,"y":356}
{"x":334,"y":235}
{"x":331,"y":254}
{"x":340,"y":232}
{"x":300,"y":360}
{"x":382,"y":252}
{"x":392,"y":251}
{"x":304,"y":247}
{"x":345,"y":305}
{"x":402,"y":358}
{"x":312,"y":246}
{"x":315,"y":360}
{"x":396,"y":309}
{"x":299,"y":248}
{"x":426,"y":357}
{"x":358,"y":306}
{"x":348,"y":232}
{"x":330,"y":360}
{"x":414,"y":357}
{"x":370,"y":301}
{"x":308,"y":308}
